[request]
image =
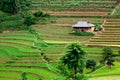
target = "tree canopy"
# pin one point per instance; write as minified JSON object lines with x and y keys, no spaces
{"x":13,"y":6}
{"x":74,"y":59}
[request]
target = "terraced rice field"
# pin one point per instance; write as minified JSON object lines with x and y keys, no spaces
{"x":76,"y":8}
{"x":17,"y":54}
{"x":77,"y":5}
{"x":105,"y":73}
{"x":111,"y":34}
{"x":79,"y":13}
{"x":62,"y":29}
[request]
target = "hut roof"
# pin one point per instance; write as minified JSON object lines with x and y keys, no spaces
{"x":83,"y":24}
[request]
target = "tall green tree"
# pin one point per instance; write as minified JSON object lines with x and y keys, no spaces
{"x":23,"y":75}
{"x":108,"y":56}
{"x":24,"y":7}
{"x":110,"y":61}
{"x":14,"y":6}
{"x":119,"y":52}
{"x":9,"y":6}
{"x":74,"y":58}
{"x":107,"y":52}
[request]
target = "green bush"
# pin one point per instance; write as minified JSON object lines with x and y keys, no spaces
{"x":29,"y":19}
{"x":83,"y":33}
{"x":38,"y":14}
{"x":3,"y":14}
{"x":97,"y":26}
{"x":53,"y":21}
{"x":80,"y":77}
{"x":9,"y":18}
{"x":1,"y":29}
{"x":41,"y":14}
{"x":46,"y":15}
{"x":9,"y":62}
{"x":119,"y":52}
{"x":11,"y":24}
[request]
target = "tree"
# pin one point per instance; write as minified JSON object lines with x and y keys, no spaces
{"x":110,"y":61}
{"x":91,"y":64}
{"x":29,"y":19}
{"x":107,"y":52}
{"x":62,"y":2}
{"x":24,"y":7}
{"x":9,"y":6}
{"x":119,"y":52}
{"x":23,"y":75}
{"x":14,"y":6}
{"x":74,"y":59}
{"x":36,"y":36}
{"x":108,"y":56}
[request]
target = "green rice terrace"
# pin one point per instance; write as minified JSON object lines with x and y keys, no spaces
{"x":20,"y":59}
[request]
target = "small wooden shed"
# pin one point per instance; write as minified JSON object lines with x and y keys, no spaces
{"x":84,"y":26}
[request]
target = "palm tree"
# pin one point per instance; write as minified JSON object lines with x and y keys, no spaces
{"x":74,"y":59}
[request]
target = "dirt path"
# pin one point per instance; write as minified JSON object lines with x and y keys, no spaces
{"x":106,"y":78}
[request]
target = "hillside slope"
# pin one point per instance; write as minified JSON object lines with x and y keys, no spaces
{"x":111,"y":34}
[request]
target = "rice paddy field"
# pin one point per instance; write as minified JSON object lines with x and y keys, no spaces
{"x":18,"y":55}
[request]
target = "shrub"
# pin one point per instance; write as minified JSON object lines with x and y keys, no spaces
{"x":91,"y":64}
{"x":38,"y":14}
{"x":107,"y":51}
{"x":97,"y":26}
{"x":46,"y":15}
{"x":53,"y":21}
{"x":119,"y":52}
{"x":9,"y":18}
{"x":41,"y":14}
{"x":29,"y":19}
{"x":23,"y":75}
{"x":83,"y":33}
{"x":1,"y":29}
{"x":80,"y":77}
{"x":3,"y":14}
{"x":9,"y":62}
{"x":11,"y":24}
{"x":108,"y":56}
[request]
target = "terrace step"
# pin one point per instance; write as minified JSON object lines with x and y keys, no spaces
{"x":19,"y":72}
{"x":11,"y":78}
{"x":111,"y":26}
{"x":94,"y":40}
{"x":112,"y":23}
{"x":110,"y":36}
{"x":111,"y":29}
{"x":77,"y":13}
{"x":105,"y":38}
{"x":114,"y":36}
{"x":105,"y":43}
{"x":113,"y":20}
{"x":110,"y":33}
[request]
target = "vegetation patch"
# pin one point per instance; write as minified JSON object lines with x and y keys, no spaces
{"x":83,"y":33}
